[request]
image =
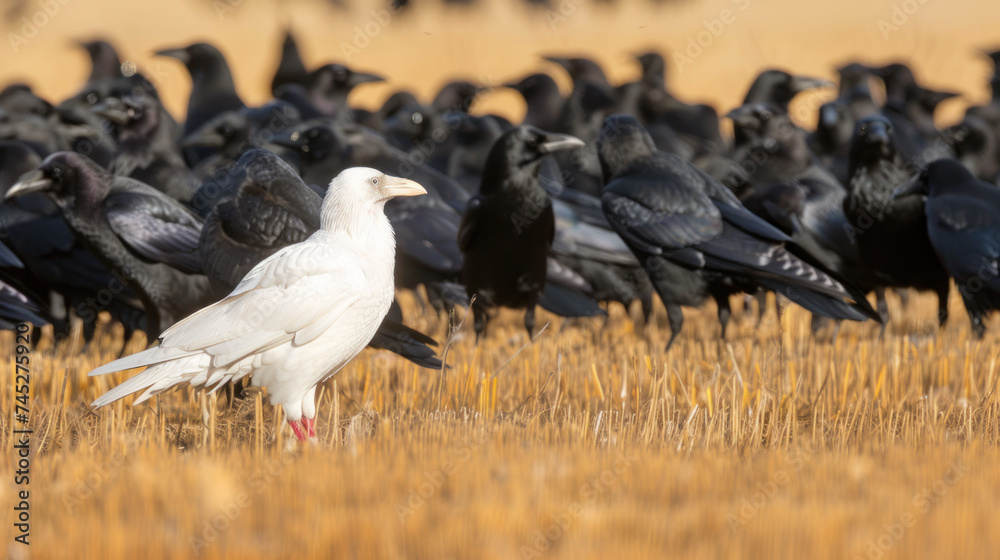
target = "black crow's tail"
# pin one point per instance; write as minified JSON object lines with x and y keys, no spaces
{"x":408,"y":343}
{"x":567,"y":302}
{"x":773,"y":266}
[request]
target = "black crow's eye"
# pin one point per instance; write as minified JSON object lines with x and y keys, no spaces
{"x":92,"y":98}
{"x":417,"y":118}
{"x":864,"y":128}
{"x":765,"y":115}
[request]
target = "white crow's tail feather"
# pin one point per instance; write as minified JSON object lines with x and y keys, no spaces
{"x":160,"y":377}
{"x":149,"y":357}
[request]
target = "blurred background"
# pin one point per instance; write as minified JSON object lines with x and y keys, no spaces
{"x":714,"y":48}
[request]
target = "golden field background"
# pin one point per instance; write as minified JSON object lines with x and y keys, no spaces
{"x":590,"y":442}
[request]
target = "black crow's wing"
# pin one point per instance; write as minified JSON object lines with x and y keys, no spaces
{"x":156,"y":228}
{"x":8,"y":258}
{"x":655,"y":216}
{"x":427,"y":232}
{"x":468,"y":229}
{"x":965,"y":233}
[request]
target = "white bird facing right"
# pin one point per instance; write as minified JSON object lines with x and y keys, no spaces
{"x":297,"y":318}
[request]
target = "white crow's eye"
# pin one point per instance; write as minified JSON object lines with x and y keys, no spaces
{"x":374,"y":181}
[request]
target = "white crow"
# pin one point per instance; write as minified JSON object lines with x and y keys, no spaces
{"x":297,"y":318}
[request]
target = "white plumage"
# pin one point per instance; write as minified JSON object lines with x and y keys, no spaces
{"x":297,"y":318}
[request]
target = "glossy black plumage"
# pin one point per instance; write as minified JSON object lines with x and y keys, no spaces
{"x":963,"y":225}
{"x":149,"y":239}
{"x":779,"y":88}
{"x":212,"y":88}
{"x":695,"y":239}
{"x":890,"y":233}
{"x":291,"y":69}
{"x":509,"y":226}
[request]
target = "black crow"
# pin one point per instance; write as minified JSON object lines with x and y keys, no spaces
{"x":57,"y":266}
{"x":291,"y":69}
{"x":910,"y":108}
{"x":230,"y":134}
{"x":147,"y":150}
{"x":329,"y":86}
{"x":665,"y":116}
{"x":212,"y":88}
{"x":132,"y":228}
{"x":780,"y":87}
{"x":963,"y":224}
{"x":975,"y":145}
{"x":456,"y":96}
{"x":890,"y":234}
{"x":695,"y":239}
{"x":509,"y":226}
{"x":832,"y":138}
{"x":543,"y":100}
{"x":791,"y":190}
{"x":105,"y":64}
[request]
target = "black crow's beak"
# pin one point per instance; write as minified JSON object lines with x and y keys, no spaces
{"x":802,"y":83}
{"x":877,"y":135}
{"x":937,"y":97}
{"x":89,"y":46}
{"x":558,"y":142}
{"x":32,"y":181}
{"x":180,"y":54}
{"x":561,"y":61}
{"x":358,"y":78}
{"x":741,"y":117}
{"x":914,"y":185}
{"x":112,"y":109}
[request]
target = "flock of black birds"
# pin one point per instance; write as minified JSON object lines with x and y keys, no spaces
{"x":607,"y":194}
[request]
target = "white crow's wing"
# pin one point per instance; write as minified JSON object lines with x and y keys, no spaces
{"x":296,"y":294}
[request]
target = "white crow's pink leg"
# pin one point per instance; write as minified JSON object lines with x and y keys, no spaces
{"x":298,"y":431}
{"x":309,"y":425}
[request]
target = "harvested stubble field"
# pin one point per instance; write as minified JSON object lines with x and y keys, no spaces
{"x":588,"y":442}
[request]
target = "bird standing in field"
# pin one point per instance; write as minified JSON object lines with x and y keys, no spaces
{"x":297,"y":317}
{"x":695,"y":239}
{"x":508,"y":227}
{"x":963,"y":224}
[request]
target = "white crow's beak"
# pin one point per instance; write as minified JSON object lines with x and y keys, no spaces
{"x":397,"y":186}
